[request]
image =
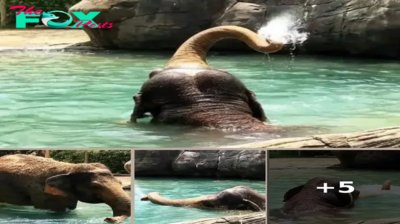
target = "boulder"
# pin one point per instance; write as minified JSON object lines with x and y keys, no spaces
{"x":346,"y":27}
{"x":201,"y":163}
{"x":376,"y":159}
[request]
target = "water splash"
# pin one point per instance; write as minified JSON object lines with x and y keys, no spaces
{"x":138,"y":191}
{"x":285,"y":28}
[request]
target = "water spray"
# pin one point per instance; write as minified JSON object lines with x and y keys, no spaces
{"x":285,"y":28}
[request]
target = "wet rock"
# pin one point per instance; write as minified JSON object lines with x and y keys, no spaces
{"x":201,"y":163}
{"x":346,"y":27}
{"x":379,"y":221}
{"x":377,"y":159}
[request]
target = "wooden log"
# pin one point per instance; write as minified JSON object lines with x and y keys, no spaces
{"x":251,"y":218}
{"x":47,"y":154}
{"x":86,"y":157}
{"x":3,"y":13}
{"x":377,"y":138}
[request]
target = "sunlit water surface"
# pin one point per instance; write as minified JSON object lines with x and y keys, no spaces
{"x":149,"y":213}
{"x":75,"y":100}
{"x":386,"y":205}
{"x":83,"y":214}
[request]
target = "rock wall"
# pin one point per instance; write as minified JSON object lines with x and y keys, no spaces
{"x":248,"y":164}
{"x":342,"y":27}
{"x":382,"y":159}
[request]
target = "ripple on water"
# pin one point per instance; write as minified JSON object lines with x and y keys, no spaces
{"x":47,"y":98}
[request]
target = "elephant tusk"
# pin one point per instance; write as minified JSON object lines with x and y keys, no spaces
{"x":253,"y":204}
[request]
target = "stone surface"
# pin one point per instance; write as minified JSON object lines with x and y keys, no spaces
{"x":201,"y":163}
{"x":346,"y":27}
{"x":252,"y":218}
{"x":377,"y":159}
{"x":377,"y":138}
{"x":379,"y":221}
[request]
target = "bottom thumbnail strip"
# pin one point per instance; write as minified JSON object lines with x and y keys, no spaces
{"x":65,"y":186}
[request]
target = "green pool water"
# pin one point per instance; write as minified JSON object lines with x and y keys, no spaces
{"x":50,"y":99}
{"x":149,"y":213}
{"x":386,"y":205}
{"x":83,"y":214}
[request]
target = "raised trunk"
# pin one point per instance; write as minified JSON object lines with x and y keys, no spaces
{"x":156,"y":198}
{"x":192,"y":53}
{"x":127,"y":166}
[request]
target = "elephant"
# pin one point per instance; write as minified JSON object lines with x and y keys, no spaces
{"x":47,"y":184}
{"x":236,"y":198}
{"x":188,"y":92}
{"x":307,"y":198}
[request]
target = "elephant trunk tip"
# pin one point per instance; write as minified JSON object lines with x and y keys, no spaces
{"x":386,"y":185}
{"x":145,"y":198}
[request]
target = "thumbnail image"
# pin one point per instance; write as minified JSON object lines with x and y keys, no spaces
{"x":334,"y":187}
{"x":179,"y":186}
{"x":65,"y":186}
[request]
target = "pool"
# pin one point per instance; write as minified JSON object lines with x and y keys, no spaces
{"x":368,"y":182}
{"x":149,"y":213}
{"x":69,"y":100}
{"x":83,"y":214}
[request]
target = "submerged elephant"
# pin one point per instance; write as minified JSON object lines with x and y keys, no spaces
{"x":236,"y":198}
{"x":187,"y":91}
{"x":308,"y":199}
{"x":47,"y":184}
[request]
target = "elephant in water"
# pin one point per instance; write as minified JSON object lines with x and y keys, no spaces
{"x":187,"y":91}
{"x":308,"y":199}
{"x":236,"y":198}
{"x":48,"y":184}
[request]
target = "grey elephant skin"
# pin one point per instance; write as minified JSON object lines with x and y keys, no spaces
{"x":347,"y":27}
{"x":236,"y":198}
{"x":188,"y":92}
{"x":305,"y":199}
{"x":44,"y":183}
{"x":249,"y":164}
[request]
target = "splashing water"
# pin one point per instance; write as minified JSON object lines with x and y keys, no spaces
{"x":139,"y":191}
{"x":285,"y":28}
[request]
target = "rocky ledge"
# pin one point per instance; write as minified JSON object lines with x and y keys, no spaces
{"x":342,"y":27}
{"x":249,"y":164}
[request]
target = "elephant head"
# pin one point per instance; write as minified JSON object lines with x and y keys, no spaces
{"x":92,"y":183}
{"x":307,"y":198}
{"x":187,"y":91}
{"x":236,"y":198}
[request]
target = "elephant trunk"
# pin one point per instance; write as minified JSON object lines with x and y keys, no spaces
{"x":192,"y":53}
{"x":120,"y":203}
{"x":156,"y":198}
{"x":127,"y":166}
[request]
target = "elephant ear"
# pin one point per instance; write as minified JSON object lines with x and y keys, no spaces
{"x":292,"y":192}
{"x":65,"y":184}
{"x":59,"y":185}
{"x":256,"y":107}
{"x":345,"y":199}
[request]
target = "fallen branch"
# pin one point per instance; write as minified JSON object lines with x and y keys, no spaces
{"x":377,"y":138}
{"x":251,"y":218}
